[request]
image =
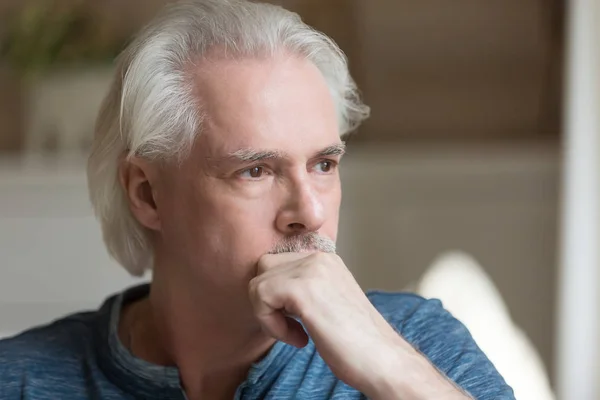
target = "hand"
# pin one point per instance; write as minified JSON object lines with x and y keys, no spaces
{"x":349,"y":333}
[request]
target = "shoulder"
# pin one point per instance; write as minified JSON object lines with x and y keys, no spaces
{"x":416,"y":318}
{"x":37,"y":353}
{"x":444,"y":340}
{"x":395,"y":305}
{"x":54,"y":338}
{"x":423,"y":322}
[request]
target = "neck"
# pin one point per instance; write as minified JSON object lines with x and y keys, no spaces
{"x":212,"y":341}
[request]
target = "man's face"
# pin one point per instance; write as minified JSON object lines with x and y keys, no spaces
{"x":263,"y":170}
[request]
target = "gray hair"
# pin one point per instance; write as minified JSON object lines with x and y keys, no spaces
{"x":151,"y":112}
{"x":305,"y":242}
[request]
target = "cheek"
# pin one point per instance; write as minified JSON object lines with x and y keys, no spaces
{"x":236,"y":227}
{"x":181,"y":215}
{"x":232,"y":239}
{"x":222,"y":236}
{"x":332,"y":206}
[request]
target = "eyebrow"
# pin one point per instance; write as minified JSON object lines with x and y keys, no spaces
{"x":252,"y":155}
{"x":333,"y":150}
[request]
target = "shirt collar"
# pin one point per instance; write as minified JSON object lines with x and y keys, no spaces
{"x":143,"y":379}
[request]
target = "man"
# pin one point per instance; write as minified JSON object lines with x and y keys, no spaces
{"x":215,"y":162}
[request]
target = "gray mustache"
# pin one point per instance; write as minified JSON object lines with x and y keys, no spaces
{"x":307,"y":242}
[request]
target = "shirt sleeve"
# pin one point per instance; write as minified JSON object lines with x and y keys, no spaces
{"x":11,"y":376}
{"x":449,"y":346}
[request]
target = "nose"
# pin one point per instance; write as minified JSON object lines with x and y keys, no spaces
{"x":303,"y":210}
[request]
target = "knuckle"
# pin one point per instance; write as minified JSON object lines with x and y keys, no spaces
{"x":263,"y":263}
{"x":252,"y":287}
{"x":298,"y":300}
{"x":319,"y":256}
{"x":256,"y":286}
{"x":313,"y":261}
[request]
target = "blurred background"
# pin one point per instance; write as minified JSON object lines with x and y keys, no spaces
{"x":475,"y":180}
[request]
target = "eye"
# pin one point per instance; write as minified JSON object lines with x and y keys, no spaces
{"x":252,"y":173}
{"x":325,"y":166}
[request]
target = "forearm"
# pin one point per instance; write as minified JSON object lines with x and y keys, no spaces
{"x":410,"y":376}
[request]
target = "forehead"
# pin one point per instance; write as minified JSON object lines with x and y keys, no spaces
{"x":281,"y":103}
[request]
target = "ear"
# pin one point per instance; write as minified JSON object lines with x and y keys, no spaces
{"x":135,"y":175}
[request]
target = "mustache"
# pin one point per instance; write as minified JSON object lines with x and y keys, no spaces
{"x":306,"y":242}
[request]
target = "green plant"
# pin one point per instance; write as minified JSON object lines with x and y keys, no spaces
{"x":45,"y":33}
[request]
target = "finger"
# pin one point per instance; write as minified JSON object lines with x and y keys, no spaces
{"x":271,"y":300}
{"x":285,"y":329}
{"x":270,"y":261}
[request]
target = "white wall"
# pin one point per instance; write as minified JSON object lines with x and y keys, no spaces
{"x":578,"y":340}
{"x":53,"y":260}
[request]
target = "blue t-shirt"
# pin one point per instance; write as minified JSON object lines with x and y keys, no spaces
{"x":81,"y":357}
